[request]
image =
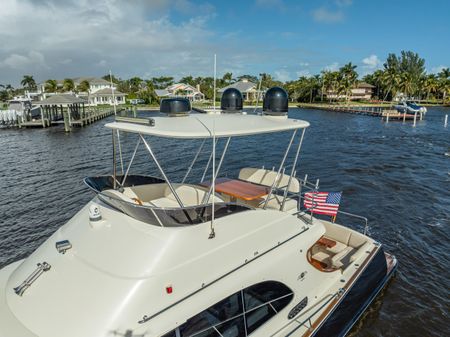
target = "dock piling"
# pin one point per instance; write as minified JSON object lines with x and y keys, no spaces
{"x":446,"y":121}
{"x":415,"y":119}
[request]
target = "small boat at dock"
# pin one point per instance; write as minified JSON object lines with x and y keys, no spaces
{"x":410,"y":107}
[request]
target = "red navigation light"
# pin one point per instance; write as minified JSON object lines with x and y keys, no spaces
{"x":169,"y":289}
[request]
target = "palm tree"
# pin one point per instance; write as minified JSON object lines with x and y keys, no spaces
{"x":444,"y":82}
{"x":84,"y":86}
{"x":391,"y":80}
{"x":51,"y":86}
{"x":227,"y":78}
{"x":430,"y":85}
{"x":68,"y":85}
{"x":406,"y":84}
{"x":348,"y":78}
{"x":28,"y":82}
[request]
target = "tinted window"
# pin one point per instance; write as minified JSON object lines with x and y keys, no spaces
{"x":170,"y":334}
{"x":226,"y":318}
{"x":264,"y":292}
{"x":232,"y":328}
{"x":258,"y":317}
{"x":219,"y":312}
{"x":208,"y":333}
{"x":263,"y":301}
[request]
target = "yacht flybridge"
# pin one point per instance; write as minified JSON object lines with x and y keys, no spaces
{"x":220,"y":256}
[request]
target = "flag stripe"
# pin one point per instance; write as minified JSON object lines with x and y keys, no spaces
{"x":323,"y":202}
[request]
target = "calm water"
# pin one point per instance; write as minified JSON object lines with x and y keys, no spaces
{"x":396,"y":175}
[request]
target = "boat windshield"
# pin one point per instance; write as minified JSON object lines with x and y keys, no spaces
{"x":153,"y":213}
{"x":163,"y":202}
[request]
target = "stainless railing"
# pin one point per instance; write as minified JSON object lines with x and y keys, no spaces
{"x":305,"y":187}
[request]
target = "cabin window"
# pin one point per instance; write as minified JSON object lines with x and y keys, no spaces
{"x":239,"y":314}
{"x":263,"y":301}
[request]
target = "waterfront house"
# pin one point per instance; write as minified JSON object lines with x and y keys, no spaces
{"x":362,"y":91}
{"x":100,"y":91}
{"x":248,"y":89}
{"x":109,"y":96}
{"x":181,"y":90}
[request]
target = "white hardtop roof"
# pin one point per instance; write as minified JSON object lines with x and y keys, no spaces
{"x":201,"y":125}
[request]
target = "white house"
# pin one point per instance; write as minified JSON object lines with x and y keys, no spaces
{"x":361,"y":91}
{"x":248,"y":89}
{"x":182,"y":90}
{"x":100,"y":91}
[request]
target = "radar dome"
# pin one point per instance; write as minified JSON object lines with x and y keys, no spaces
{"x":175,"y":106}
{"x":231,"y":100}
{"x":275,"y":102}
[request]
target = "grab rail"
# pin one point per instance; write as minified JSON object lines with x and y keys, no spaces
{"x":41,"y":268}
{"x":366,"y":226}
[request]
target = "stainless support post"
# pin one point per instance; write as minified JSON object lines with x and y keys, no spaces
{"x":206,"y":198}
{"x":114,"y":160}
{"x":131,"y":161}
{"x":193,"y":161}
{"x":293,"y":170}
{"x":207,"y":164}
{"x":162,"y":172}
{"x":120,"y":151}
{"x":279,"y":169}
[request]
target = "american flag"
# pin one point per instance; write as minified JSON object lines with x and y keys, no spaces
{"x":324,"y":202}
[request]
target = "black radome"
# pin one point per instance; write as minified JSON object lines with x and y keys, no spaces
{"x":231,"y":100}
{"x":275,"y":101}
{"x":175,"y":106}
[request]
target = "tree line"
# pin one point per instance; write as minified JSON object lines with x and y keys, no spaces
{"x":404,"y":73}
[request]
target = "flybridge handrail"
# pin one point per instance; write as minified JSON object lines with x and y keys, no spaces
{"x":314,"y":188}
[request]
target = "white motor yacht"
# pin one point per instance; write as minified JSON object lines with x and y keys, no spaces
{"x":220,"y":256}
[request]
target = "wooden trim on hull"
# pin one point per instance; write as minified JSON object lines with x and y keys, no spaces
{"x":358,"y":297}
{"x":337,"y":300}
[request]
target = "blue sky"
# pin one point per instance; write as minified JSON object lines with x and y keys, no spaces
{"x":68,"y":38}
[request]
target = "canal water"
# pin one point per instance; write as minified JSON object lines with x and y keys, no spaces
{"x":396,"y":175}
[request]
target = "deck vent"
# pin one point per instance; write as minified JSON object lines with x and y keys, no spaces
{"x":275,"y":102}
{"x":231,"y":101}
{"x":299,"y":307}
{"x":63,"y":246}
{"x":175,"y":106}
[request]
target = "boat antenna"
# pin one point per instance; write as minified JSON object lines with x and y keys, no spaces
{"x":115,"y":114}
{"x":215,"y":79}
{"x":212,"y":234}
{"x":259,"y":92}
{"x":112,"y":92}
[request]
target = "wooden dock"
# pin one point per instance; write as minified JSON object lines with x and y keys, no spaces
{"x":375,"y":111}
{"x":68,"y":117}
{"x":385,"y":112}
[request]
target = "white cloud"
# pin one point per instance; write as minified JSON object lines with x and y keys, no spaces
{"x":332,"y":67}
{"x":371,"y":62}
{"x":133,"y":38}
{"x":282,"y":75}
{"x":304,"y":73}
{"x":437,"y":69}
{"x":18,"y":61}
{"x":324,"y":14}
{"x":304,"y":64}
{"x":66,"y":61}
